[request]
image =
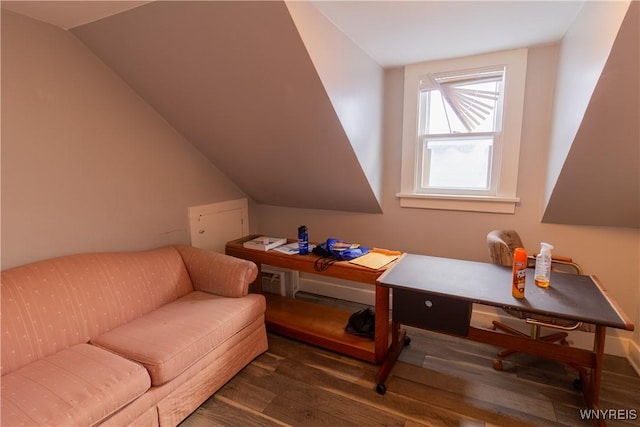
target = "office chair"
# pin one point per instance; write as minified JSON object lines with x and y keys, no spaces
{"x":501,"y":245}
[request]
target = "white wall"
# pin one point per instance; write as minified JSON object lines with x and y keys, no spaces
{"x":613,"y":254}
{"x":583,"y":54}
{"x":353,"y":81}
{"x":86,"y":164}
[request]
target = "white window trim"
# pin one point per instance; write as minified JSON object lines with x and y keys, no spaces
{"x":506,"y":198}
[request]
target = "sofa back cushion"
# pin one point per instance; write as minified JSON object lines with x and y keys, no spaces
{"x":51,"y":305}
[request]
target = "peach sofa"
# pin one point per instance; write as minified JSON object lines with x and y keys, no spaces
{"x":118,"y":339}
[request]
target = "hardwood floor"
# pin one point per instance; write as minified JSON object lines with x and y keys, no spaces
{"x":438,"y":381}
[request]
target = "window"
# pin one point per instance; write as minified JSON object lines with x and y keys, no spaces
{"x":461,"y":133}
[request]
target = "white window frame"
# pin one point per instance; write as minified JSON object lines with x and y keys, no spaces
{"x":504,"y":197}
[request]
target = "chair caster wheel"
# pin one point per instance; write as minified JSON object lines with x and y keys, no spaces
{"x":381,"y":389}
{"x":407,"y":341}
{"x":577,"y":384}
{"x":497,"y":365}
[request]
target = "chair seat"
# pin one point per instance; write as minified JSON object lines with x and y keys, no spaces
{"x":561,"y":323}
{"x":502,"y":244}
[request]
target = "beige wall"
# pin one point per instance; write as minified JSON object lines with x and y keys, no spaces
{"x":86,"y":164}
{"x":610,"y":253}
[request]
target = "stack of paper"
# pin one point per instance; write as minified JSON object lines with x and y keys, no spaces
{"x":264,"y":243}
{"x":376,"y":259}
{"x":291,"y":248}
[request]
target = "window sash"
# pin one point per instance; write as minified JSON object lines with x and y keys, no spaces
{"x":506,"y":149}
{"x":470,"y":106}
{"x":424,"y":182}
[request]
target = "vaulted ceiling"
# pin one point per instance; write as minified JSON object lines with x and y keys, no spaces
{"x":240,"y":81}
{"x":236,"y":80}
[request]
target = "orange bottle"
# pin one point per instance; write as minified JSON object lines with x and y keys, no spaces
{"x":519,"y":272}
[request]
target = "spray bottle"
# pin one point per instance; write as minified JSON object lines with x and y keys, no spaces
{"x":543,"y":265}
{"x":519,"y":272}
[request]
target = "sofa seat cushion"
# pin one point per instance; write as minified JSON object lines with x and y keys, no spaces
{"x":81,"y":385}
{"x":175,"y":336}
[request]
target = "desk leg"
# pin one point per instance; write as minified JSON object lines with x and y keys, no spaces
{"x":382,"y":323}
{"x":397,"y":343}
{"x":592,"y":387}
{"x":591,"y":377}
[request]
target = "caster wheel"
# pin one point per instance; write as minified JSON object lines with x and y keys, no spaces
{"x":577,"y":384}
{"x":407,"y":341}
{"x":381,"y":389}
{"x":497,"y":365}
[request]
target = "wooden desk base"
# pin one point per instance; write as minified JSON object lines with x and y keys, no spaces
{"x":587,"y":363}
{"x":313,"y":323}
{"x":318,"y":325}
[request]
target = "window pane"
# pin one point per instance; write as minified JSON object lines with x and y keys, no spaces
{"x":461,"y":106}
{"x":457,"y":163}
{"x":440,"y":118}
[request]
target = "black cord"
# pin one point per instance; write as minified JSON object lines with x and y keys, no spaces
{"x":323,"y":263}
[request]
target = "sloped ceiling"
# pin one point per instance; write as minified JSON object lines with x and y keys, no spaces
{"x":235,"y":79}
{"x":599,"y":183}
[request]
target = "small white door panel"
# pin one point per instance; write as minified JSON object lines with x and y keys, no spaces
{"x":213,"y":225}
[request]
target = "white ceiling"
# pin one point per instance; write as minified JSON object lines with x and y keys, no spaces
{"x":403,"y":32}
{"x":392,"y":32}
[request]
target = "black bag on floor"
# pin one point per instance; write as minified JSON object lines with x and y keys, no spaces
{"x":362,"y":323}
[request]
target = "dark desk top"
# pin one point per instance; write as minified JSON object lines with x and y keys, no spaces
{"x":572,"y":297}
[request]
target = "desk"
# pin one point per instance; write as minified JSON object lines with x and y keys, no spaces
{"x":314,"y":323}
{"x":428,"y":286}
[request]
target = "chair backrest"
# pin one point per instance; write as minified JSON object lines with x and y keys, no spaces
{"x":501,"y":245}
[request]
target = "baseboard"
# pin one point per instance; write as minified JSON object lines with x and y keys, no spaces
{"x":336,"y":288}
{"x":482,"y":316}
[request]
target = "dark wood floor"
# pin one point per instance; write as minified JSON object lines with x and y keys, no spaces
{"x":439,"y":381}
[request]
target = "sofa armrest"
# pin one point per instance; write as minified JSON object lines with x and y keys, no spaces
{"x":217,"y":273}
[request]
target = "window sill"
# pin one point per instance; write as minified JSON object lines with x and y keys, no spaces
{"x":505,"y":205}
